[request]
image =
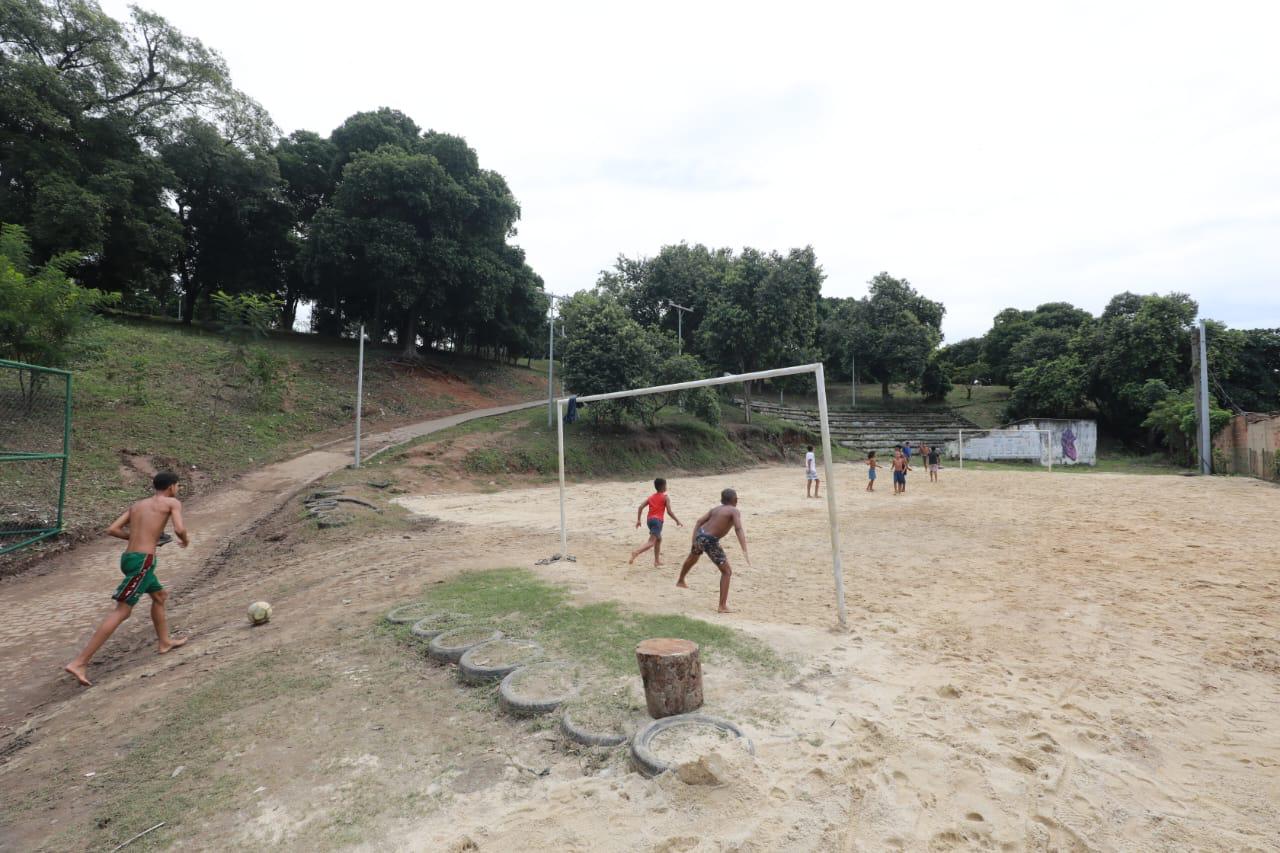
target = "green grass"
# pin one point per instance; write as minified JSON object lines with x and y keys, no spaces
{"x":139,"y":790}
{"x":173,"y":394}
{"x":1116,"y":464}
{"x":680,"y":441}
{"x":601,"y":636}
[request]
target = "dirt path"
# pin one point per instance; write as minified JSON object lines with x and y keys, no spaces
{"x":55,"y":607}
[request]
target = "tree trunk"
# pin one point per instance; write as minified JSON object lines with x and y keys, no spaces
{"x":884,"y":389}
{"x":672,"y":674}
{"x":409,"y":334}
{"x":746,"y":398}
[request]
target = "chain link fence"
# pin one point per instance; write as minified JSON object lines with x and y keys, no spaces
{"x":35,"y":443}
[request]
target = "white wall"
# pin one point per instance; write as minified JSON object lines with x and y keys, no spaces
{"x":1083,"y":437}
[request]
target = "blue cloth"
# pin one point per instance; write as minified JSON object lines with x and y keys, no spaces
{"x":571,"y":411}
{"x":655,"y":527}
{"x":871,"y":473}
{"x":900,"y":477}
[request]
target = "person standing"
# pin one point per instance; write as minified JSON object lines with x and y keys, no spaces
{"x":659,"y":504}
{"x":811,"y":473}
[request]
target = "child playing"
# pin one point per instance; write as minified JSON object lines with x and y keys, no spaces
{"x":145,"y":521}
{"x":933,"y":464}
{"x":659,"y":505}
{"x":872,"y":465}
{"x":811,"y":473}
{"x":900,"y":469}
{"x":708,"y":531}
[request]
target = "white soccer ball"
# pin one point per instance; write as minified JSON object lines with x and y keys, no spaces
{"x":259,"y":613}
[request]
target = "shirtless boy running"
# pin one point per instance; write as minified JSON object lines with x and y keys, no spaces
{"x":142,"y":524}
{"x":708,"y":531}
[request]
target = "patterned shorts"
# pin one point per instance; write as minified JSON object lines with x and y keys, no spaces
{"x":705,"y":543}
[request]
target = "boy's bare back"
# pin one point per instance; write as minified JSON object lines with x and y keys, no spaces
{"x":721,"y":519}
{"x":147,"y":519}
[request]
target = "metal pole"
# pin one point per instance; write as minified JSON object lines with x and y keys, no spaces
{"x":564,"y":535}
{"x":853,"y":382}
{"x":551,"y":363}
{"x":1206,"y":449}
{"x":66,"y":451}
{"x":836,"y":568}
{"x":359,"y":395}
{"x":680,"y":312}
{"x":960,"y":449}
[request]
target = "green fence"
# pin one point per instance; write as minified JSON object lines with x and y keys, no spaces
{"x":35,"y":444}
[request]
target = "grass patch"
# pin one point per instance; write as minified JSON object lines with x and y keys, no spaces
{"x":601,"y":636}
{"x":1120,"y":464}
{"x":139,"y":791}
{"x":167,"y":395}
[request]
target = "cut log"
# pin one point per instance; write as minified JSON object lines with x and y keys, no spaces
{"x":672,"y":674}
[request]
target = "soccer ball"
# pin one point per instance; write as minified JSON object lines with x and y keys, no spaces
{"x":259,"y":613}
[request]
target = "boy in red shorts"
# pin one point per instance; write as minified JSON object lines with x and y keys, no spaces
{"x":145,"y":521}
{"x":659,"y":505}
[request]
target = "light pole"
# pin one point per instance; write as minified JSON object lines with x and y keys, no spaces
{"x":853,"y":382}
{"x":359,"y":395}
{"x":551,"y":362}
{"x":680,"y":312}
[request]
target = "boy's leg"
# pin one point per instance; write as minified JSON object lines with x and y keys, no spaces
{"x":645,"y":547}
{"x":817,"y":486}
{"x":161,"y":620}
{"x":657,"y":551}
{"x":79,"y":666}
{"x":726,"y":573}
{"x":684,"y":569}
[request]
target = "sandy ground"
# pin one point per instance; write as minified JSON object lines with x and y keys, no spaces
{"x":1034,"y":662}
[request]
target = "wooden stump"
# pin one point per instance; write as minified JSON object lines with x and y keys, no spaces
{"x":672,"y":674}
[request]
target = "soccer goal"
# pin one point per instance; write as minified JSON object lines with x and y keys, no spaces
{"x":1001,"y":445}
{"x":837,"y":570}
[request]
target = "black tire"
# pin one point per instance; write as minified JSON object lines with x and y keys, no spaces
{"x":650,"y":764}
{"x":447,"y":647}
{"x":524,"y":706}
{"x":586,"y":737}
{"x":406,"y":614}
{"x":434,"y":624}
{"x":473,"y":673}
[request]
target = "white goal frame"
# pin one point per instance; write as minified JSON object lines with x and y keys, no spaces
{"x":837,"y":570}
{"x":1048,"y":442}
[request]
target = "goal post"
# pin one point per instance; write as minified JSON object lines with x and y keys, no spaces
{"x":837,"y":569}
{"x":995,"y":445}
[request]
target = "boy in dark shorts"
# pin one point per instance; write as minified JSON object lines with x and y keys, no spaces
{"x":708,"y":531}
{"x":934,"y":460}
{"x":142,"y":524}
{"x":659,"y":504}
{"x":900,"y":469}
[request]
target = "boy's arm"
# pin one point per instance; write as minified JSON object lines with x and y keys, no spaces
{"x":697,"y":525}
{"x":639,"y":510}
{"x":179,"y":526}
{"x":117,"y":527}
{"x":672,"y":513}
{"x":742,"y":536}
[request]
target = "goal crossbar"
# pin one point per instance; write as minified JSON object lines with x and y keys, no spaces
{"x":816,"y":369}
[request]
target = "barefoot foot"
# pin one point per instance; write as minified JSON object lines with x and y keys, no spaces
{"x":173,"y":643}
{"x":723,"y":610}
{"x":682,"y":584}
{"x":79,"y":673}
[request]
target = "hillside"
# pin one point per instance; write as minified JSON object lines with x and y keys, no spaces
{"x":154,"y":395}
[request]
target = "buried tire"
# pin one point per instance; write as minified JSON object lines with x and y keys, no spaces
{"x":449,"y":646}
{"x":496,"y":659}
{"x":588,"y":736}
{"x":538,"y":688}
{"x":407,"y":614}
{"x":434,"y":624}
{"x":650,"y":763}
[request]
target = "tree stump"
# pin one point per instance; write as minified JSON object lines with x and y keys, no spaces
{"x":672,"y":674}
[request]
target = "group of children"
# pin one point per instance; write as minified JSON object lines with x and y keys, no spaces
{"x":902,"y":464}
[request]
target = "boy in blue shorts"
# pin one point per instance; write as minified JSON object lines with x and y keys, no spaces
{"x":659,"y":505}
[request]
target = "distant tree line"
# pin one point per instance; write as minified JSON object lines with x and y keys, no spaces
{"x":126,"y":144}
{"x":1129,"y":367}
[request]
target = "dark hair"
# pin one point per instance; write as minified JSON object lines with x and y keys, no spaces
{"x":164,"y":480}
{"x":870,"y":454}
{"x":811,"y":447}
{"x":728,"y":496}
{"x":660,"y":484}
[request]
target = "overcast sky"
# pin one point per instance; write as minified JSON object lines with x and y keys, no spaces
{"x":994,"y":154}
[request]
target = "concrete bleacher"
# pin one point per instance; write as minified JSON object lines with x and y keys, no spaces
{"x":868,"y":429}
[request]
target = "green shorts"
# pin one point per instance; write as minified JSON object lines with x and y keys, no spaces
{"x":139,"y":572}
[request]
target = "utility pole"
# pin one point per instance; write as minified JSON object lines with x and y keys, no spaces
{"x":853,"y":382}
{"x":680,"y":312}
{"x":359,"y":395}
{"x":551,"y":362}
{"x":1200,"y":356}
